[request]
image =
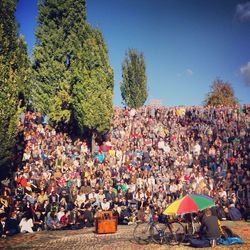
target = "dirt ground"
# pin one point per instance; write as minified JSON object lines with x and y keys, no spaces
{"x":122,"y":239}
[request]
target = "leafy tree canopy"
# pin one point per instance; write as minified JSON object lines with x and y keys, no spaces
{"x":15,"y":74}
{"x":221,"y":93}
{"x":134,"y":84}
{"x":93,"y":91}
{"x":73,"y":78}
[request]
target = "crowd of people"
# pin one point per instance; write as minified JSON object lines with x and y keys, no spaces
{"x":151,"y":157}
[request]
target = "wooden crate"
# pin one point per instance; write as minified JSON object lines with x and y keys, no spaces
{"x":105,"y":223}
{"x":104,"y":226}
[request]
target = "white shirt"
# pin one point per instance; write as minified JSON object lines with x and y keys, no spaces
{"x":197,"y":149}
{"x":26,"y":225}
{"x":60,"y":215}
{"x":105,"y":206}
{"x":81,"y":198}
{"x":161,"y":144}
{"x":132,"y":113}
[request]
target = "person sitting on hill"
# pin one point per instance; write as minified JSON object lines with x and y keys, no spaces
{"x":88,"y":216}
{"x":11,"y":226}
{"x":234,"y":213}
{"x":209,"y":227}
{"x":39,"y":219}
{"x":26,"y":224}
{"x":52,"y":222}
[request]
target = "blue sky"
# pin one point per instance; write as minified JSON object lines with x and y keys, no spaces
{"x":187,"y":44}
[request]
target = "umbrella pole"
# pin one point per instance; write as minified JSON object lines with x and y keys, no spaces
{"x":192,"y":223}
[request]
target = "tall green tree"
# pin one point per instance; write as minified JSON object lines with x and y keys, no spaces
{"x":51,"y":54}
{"x":134,"y":84}
{"x":23,"y":71}
{"x":14,"y":78}
{"x":73,"y":77}
{"x":93,"y":91}
{"x":221,"y":93}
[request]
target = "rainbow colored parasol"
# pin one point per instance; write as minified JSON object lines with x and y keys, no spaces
{"x":190,"y":203}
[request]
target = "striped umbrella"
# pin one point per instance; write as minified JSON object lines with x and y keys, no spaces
{"x":190,"y":203}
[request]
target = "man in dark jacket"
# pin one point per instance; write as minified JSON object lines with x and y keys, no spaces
{"x":11,"y":226}
{"x":88,"y":216}
{"x":110,"y":195}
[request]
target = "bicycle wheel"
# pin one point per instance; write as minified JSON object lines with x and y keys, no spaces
{"x":141,"y":233}
{"x":157,"y":232}
{"x":175,"y":233}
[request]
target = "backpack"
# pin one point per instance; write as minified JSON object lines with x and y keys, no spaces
{"x":227,"y":232}
{"x":200,"y":243}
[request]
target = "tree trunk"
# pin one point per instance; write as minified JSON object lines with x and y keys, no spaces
{"x":93,"y":137}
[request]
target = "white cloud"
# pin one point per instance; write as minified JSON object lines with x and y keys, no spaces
{"x":245,"y":72}
{"x":189,"y":72}
{"x":186,"y":72}
{"x":243,"y":12}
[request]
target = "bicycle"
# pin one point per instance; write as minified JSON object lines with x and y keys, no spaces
{"x":141,"y":232}
{"x":169,"y":233}
{"x":192,"y":227}
{"x":172,"y":233}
